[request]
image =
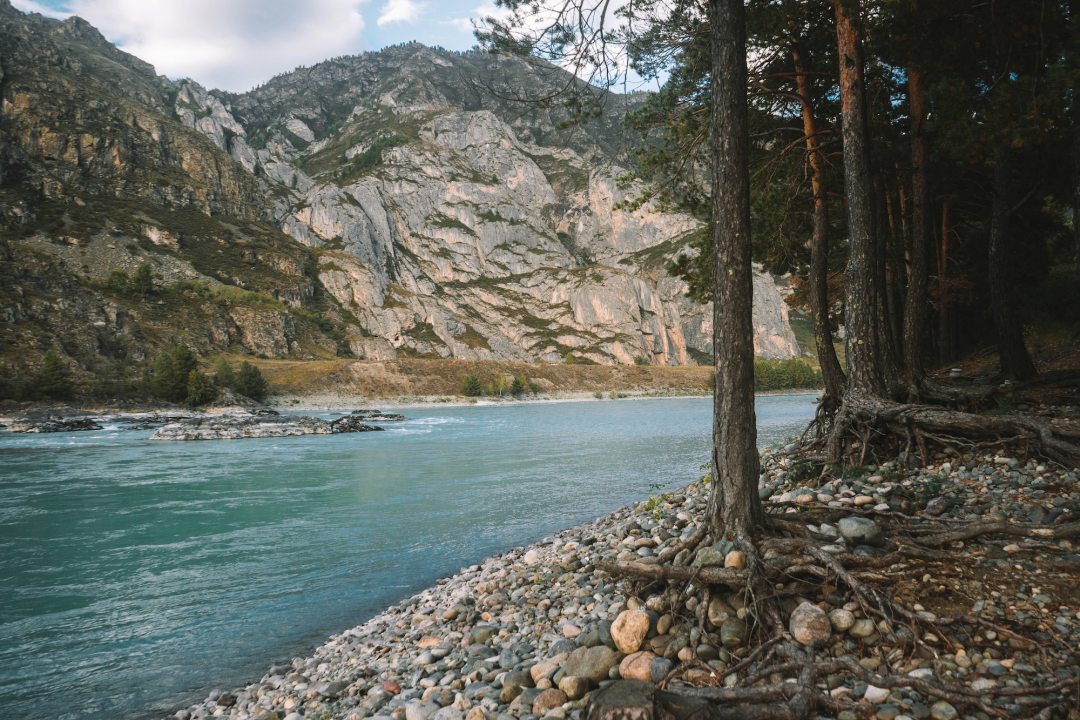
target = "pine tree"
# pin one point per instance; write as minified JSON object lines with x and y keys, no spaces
{"x":142,"y":282}
{"x":200,"y":389}
{"x":224,"y":375}
{"x":53,"y":381}
{"x":470,"y":386}
{"x":250,"y":382}
{"x":170,"y":375}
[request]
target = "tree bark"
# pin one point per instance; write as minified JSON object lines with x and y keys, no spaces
{"x":1076,"y":171}
{"x":946,"y":342}
{"x":1015,"y":361}
{"x":918,"y":279}
{"x":734,"y":506}
{"x":888,"y":309}
{"x":831,"y":372}
{"x":862,"y":301}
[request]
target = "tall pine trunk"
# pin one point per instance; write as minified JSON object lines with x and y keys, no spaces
{"x":1076,"y":172}
{"x":734,"y":506}
{"x":831,"y":372}
{"x":1015,"y":360}
{"x":946,"y":334}
{"x":862,"y":300}
{"x":918,"y":279}
{"x":888,"y":309}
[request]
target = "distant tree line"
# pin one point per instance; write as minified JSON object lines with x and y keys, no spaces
{"x":174,"y":376}
{"x":499,"y":386}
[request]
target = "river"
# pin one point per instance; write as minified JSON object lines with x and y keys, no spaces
{"x":135,"y":576}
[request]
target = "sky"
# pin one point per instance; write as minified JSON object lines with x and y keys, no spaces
{"x":237,"y":44}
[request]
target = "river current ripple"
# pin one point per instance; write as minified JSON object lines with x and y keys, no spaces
{"x":135,"y":576}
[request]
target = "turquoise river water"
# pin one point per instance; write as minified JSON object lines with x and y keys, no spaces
{"x":135,"y":576}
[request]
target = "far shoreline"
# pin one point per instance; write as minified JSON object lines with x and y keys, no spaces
{"x":339,"y":402}
{"x":343,"y":403}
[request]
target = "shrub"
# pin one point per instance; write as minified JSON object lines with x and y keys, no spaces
{"x":224,"y":375}
{"x":138,"y":284}
{"x":142,"y":282}
{"x":470,"y":386}
{"x":641,"y":360}
{"x":497,"y":387}
{"x":115,"y":382}
{"x":117,"y":282}
{"x":53,"y":381}
{"x":785,"y":374}
{"x":12,"y":384}
{"x":250,"y":382}
{"x":172,"y":367}
{"x":200,"y":389}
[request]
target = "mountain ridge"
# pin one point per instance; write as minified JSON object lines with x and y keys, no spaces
{"x":395,"y":203}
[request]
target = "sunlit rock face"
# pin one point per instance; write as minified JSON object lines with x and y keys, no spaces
{"x":453,"y":221}
{"x":399,"y":202}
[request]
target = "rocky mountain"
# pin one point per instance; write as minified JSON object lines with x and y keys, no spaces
{"x":404,"y":202}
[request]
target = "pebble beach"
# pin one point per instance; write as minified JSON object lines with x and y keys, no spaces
{"x":535,"y":631}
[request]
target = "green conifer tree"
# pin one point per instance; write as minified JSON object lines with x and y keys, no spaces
{"x":250,"y":382}
{"x":224,"y":375}
{"x":470,"y":386}
{"x":172,"y":367}
{"x":142,"y":282}
{"x":200,"y":389}
{"x":53,"y":381}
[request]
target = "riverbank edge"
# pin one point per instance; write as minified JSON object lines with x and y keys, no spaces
{"x":533,"y":631}
{"x":344,"y":403}
{"x":442,"y":590}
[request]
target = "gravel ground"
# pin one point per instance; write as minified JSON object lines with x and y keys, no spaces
{"x":535,"y":631}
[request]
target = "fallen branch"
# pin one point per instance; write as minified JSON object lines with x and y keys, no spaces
{"x":709,"y":575}
{"x":1044,"y":532}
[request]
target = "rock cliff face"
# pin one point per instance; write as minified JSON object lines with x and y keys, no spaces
{"x":384,"y":204}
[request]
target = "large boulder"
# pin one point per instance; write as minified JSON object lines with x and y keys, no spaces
{"x":860,"y":531}
{"x":809,"y":625}
{"x":593,"y":663}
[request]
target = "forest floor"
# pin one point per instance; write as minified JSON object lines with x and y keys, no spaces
{"x":545,"y":630}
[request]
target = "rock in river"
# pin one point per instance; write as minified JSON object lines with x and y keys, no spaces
{"x":51,"y":424}
{"x":245,"y":425}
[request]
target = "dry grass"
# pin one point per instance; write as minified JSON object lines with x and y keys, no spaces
{"x":300,"y":376}
{"x":415,"y":377}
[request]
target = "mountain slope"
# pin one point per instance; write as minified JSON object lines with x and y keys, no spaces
{"x":398,"y":202}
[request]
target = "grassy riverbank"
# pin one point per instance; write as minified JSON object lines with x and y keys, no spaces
{"x":339,"y":383}
{"x":434,"y":378}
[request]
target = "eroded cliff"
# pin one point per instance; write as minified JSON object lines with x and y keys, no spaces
{"x":393,"y":203}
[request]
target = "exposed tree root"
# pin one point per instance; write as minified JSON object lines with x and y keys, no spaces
{"x":705,"y":575}
{"x":780,"y":679}
{"x":689,"y":544}
{"x":1044,"y":532}
{"x":797,"y":700}
{"x":866,"y":421}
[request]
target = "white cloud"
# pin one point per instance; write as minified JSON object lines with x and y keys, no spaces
{"x":400,"y":11}
{"x":30,"y":6}
{"x":231,"y":45}
{"x":462,"y":23}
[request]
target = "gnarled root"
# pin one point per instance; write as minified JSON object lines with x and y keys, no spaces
{"x":871,"y":420}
